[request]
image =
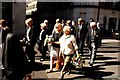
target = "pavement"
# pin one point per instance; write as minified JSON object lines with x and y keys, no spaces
{"x":106,"y":66}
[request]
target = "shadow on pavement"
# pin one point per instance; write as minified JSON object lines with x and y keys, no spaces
{"x":108,"y":51}
{"x":105,"y":58}
{"x":39,"y":66}
{"x":41,"y":79}
{"x":91,"y":73}
{"x":108,"y":63}
{"x":109,"y":47}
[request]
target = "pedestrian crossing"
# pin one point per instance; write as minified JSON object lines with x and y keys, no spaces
{"x":109,"y":40}
{"x":106,"y":64}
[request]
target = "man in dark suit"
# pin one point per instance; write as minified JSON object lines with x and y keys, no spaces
{"x":69,"y":23}
{"x":92,"y":41}
{"x":30,"y":39}
{"x":41,"y":47}
{"x":81,"y":34}
{"x":14,"y":60}
{"x":5,"y":29}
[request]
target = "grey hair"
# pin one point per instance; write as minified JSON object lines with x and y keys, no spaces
{"x":66,"y":28}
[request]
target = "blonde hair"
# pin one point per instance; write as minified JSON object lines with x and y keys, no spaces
{"x":45,"y":21}
{"x":57,"y":20}
{"x":42,"y":25}
{"x":28,"y":20}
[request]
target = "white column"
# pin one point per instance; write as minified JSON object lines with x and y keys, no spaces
{"x":0,"y":9}
{"x":0,"y":41}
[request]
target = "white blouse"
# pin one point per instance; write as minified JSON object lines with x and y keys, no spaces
{"x":68,"y":44}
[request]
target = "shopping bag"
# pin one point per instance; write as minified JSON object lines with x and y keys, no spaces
{"x":59,"y":63}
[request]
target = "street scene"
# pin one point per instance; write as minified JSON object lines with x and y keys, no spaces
{"x":107,"y":65}
{"x":45,"y":40}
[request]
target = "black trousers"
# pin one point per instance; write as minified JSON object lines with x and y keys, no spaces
{"x":42,"y":49}
{"x":30,"y":52}
{"x":81,"y":46}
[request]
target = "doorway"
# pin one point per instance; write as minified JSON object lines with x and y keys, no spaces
{"x":112,"y":23}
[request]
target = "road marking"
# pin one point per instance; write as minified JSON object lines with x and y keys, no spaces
{"x":109,"y":40}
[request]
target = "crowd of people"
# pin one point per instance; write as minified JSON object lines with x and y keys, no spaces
{"x":66,"y":40}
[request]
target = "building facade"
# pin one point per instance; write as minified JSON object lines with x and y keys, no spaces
{"x":107,"y":13}
{"x":15,"y":14}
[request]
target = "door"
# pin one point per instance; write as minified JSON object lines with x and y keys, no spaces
{"x":112,"y":23}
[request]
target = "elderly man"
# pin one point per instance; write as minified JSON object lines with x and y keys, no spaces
{"x":92,"y":41}
{"x":81,"y":31}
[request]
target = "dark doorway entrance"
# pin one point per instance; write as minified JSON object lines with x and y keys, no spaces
{"x":119,"y":25}
{"x":112,"y":23}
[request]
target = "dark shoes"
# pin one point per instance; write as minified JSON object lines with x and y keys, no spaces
{"x":91,"y":64}
{"x":67,"y":73}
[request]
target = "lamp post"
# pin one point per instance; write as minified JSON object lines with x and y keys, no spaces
{"x":98,"y":11}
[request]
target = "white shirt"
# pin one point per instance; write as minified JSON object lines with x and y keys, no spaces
{"x":68,"y":44}
{"x":80,"y":27}
{"x":28,"y":30}
{"x":40,"y":36}
{"x":0,"y":47}
{"x":0,"y":35}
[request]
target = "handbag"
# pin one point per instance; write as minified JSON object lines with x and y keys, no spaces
{"x":59,"y":63}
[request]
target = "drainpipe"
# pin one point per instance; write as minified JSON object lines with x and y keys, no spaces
{"x":98,"y":12}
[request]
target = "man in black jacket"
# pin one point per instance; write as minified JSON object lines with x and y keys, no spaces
{"x":5,"y":29}
{"x":92,"y":41}
{"x":30,"y":39}
{"x":14,"y":60}
{"x":81,"y":35}
{"x":42,"y":48}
